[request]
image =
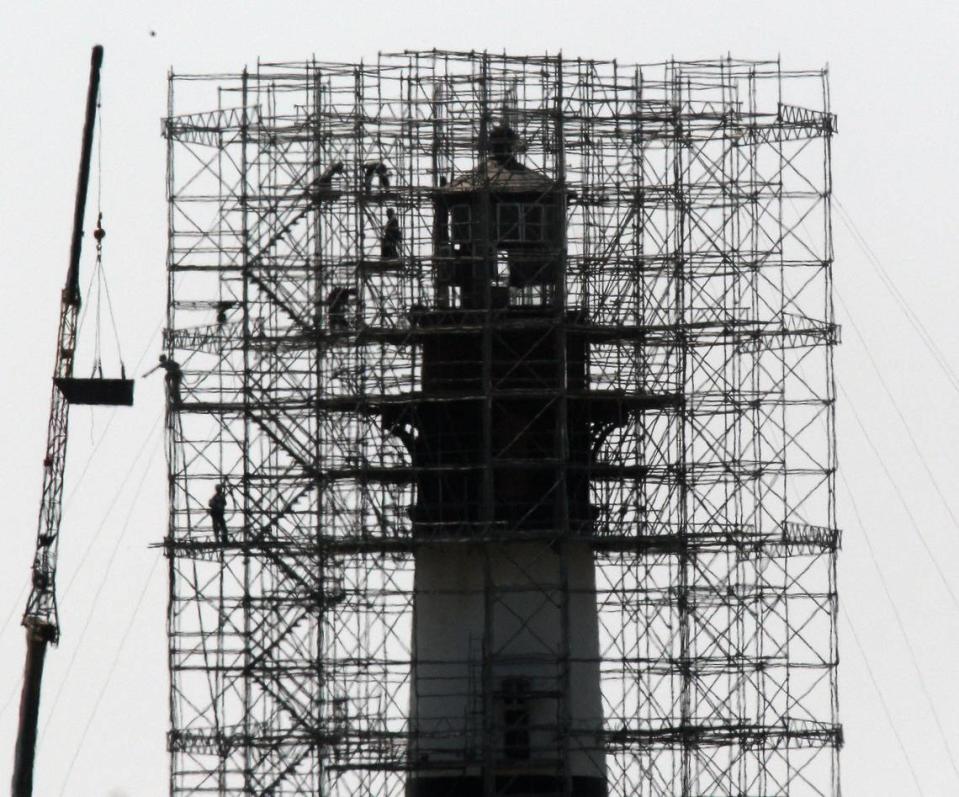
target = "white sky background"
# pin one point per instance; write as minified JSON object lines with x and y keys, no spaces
{"x":894,"y":88}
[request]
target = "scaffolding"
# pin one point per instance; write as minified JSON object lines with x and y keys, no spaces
{"x":635,"y":261}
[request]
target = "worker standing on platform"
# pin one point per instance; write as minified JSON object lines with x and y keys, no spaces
{"x":390,"y":245}
{"x":173,"y":378}
{"x":217,"y":510}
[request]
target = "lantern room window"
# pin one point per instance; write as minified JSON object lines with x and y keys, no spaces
{"x":521,"y":222}
{"x":533,"y":226}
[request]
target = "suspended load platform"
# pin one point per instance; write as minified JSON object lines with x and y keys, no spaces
{"x":104,"y":392}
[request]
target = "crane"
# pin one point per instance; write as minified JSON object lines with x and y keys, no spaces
{"x":40,"y":618}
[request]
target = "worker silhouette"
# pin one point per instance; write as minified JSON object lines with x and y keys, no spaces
{"x":338,"y":300}
{"x":173,"y":377}
{"x":390,"y":243}
{"x":322,"y":187}
{"x":222,"y":308}
{"x":217,"y":509}
{"x":376,"y":169}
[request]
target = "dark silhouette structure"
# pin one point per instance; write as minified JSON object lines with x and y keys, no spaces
{"x":217,"y":509}
{"x":41,"y":616}
{"x":550,"y":509}
{"x":392,"y":236}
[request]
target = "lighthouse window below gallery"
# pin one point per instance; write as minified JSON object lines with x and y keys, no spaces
{"x":516,"y":742}
{"x":461,"y":219}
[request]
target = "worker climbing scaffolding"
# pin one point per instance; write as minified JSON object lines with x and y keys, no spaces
{"x":338,"y":302}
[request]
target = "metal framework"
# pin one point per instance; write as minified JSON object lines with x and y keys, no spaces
{"x":693,"y":264}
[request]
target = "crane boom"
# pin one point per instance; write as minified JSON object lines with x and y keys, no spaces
{"x":40,"y":618}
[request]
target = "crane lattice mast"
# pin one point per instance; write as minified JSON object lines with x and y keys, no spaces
{"x":40,"y":618}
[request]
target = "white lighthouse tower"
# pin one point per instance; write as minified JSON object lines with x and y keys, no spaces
{"x":505,"y":683}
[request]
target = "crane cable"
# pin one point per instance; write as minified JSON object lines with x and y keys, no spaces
{"x":102,"y":286}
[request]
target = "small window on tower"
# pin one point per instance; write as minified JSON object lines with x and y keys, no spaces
{"x":516,"y":741}
{"x":508,"y":222}
{"x":502,"y":267}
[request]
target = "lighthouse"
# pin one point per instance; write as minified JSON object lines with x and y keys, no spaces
{"x":520,"y":373}
{"x":505,"y":683}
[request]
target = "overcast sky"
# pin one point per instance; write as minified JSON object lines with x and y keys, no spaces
{"x":893,"y":76}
